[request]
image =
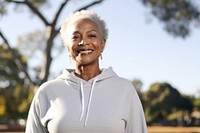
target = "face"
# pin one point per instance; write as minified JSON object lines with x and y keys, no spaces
{"x":85,"y":43}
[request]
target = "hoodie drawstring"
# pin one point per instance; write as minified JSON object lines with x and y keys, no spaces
{"x":89,"y":102}
{"x":82,"y":102}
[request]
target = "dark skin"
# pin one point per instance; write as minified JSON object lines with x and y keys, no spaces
{"x":86,"y":73}
{"x":85,"y":45}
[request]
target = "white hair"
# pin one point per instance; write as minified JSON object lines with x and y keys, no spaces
{"x":82,"y":15}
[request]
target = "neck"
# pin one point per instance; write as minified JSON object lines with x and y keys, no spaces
{"x":87,"y":72}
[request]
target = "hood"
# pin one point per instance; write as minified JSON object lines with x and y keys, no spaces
{"x":68,"y":74}
{"x":77,"y":83}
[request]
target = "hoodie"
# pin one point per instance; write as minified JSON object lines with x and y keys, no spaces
{"x":106,"y":103}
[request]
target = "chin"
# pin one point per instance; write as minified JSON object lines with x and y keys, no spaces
{"x":87,"y":62}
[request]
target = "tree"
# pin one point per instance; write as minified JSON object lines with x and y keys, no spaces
{"x":161,"y":100}
{"x":177,"y":15}
{"x":197,"y":103}
{"x":51,"y":33}
{"x":15,"y":78}
{"x":137,"y":83}
{"x":15,"y":95}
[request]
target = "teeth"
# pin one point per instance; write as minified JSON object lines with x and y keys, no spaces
{"x":85,"y":51}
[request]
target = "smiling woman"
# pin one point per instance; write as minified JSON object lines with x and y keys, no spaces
{"x":86,"y":99}
{"x":85,"y":44}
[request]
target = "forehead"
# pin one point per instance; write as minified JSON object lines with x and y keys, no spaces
{"x":82,"y":25}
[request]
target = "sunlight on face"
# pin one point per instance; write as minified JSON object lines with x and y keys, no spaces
{"x":85,"y":43}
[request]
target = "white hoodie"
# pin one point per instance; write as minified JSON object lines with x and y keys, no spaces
{"x":104,"y":104}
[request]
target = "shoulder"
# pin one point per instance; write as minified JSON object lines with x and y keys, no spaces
{"x":56,"y":83}
{"x":123,"y":82}
{"x":115,"y":78}
{"x":48,"y":88}
{"x":127,"y":86}
{"x":119,"y":81}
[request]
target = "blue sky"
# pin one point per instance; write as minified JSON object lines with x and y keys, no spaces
{"x":136,"y":49}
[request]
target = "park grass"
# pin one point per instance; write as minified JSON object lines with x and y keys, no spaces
{"x":166,"y":129}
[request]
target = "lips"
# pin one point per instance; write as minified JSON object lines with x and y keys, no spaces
{"x":84,"y":51}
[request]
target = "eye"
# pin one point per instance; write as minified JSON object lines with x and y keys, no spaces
{"x":92,"y":36}
{"x":75,"y":37}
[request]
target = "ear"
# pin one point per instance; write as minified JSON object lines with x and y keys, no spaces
{"x":103,"y":43}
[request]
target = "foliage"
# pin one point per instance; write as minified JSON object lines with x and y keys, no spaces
{"x":161,"y":100}
{"x":10,"y":74}
{"x":16,"y":94}
{"x":137,"y":83}
{"x":15,"y":97}
{"x":48,"y":34}
{"x":32,"y":45}
{"x":36,"y":3}
{"x":197,"y":103}
{"x":177,"y":15}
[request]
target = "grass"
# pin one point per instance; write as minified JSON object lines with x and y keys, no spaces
{"x":165,"y":129}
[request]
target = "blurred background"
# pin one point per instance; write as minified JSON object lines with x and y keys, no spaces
{"x":153,"y":43}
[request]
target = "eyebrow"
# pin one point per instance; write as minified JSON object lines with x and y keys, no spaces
{"x":92,"y":30}
{"x":77,"y":32}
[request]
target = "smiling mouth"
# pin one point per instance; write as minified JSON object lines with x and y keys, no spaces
{"x":84,"y":51}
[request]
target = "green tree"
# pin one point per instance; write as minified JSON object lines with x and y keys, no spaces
{"x":161,"y":100}
{"x":10,"y":74}
{"x":197,"y":103}
{"x":15,"y":94}
{"x":137,"y":83}
{"x":50,"y":31}
{"x":176,"y":15}
{"x":16,"y":76}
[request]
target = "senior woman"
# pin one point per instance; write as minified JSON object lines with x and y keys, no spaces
{"x":86,"y":99}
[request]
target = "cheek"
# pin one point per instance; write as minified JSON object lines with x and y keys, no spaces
{"x":101,"y":46}
{"x":69,"y":44}
{"x":71,"y":50}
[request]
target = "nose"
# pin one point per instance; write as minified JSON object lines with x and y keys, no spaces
{"x":81,"y":42}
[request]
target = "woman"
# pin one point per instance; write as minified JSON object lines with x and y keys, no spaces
{"x":87,"y":99}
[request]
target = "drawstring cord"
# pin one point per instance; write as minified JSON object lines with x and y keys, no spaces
{"x":89,"y":102}
{"x":82,"y":102}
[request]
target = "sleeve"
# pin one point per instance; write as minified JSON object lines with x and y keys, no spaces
{"x":34,"y":124}
{"x":136,"y":122}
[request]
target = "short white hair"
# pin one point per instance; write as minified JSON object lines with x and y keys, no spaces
{"x":83,"y":14}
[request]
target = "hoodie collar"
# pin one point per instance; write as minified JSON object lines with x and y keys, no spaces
{"x":68,"y":74}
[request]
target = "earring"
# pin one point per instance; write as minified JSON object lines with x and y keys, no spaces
{"x":101,"y":57}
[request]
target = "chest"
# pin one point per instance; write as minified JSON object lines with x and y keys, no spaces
{"x":105,"y":114}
